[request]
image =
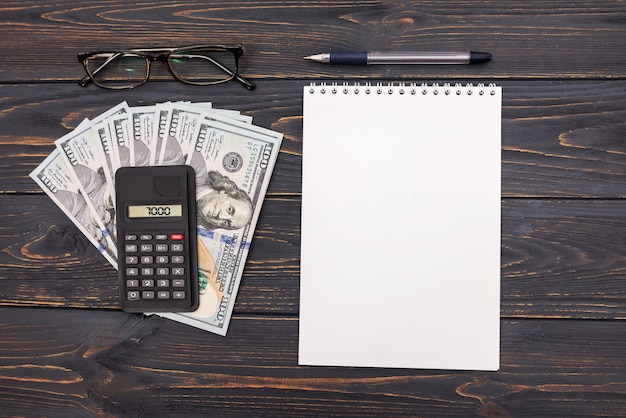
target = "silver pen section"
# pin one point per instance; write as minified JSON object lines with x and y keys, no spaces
{"x":406,"y":57}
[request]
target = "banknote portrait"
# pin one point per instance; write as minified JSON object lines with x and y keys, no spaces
{"x":221,"y":204}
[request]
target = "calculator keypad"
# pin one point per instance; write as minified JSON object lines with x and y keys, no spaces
{"x":155,"y":267}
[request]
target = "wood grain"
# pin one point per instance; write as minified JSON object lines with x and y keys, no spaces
{"x":67,"y":350}
{"x":59,"y":362}
{"x":528,"y":39}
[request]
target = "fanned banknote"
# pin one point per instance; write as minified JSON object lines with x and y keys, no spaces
{"x":233,"y":160}
{"x":84,"y":156}
{"x":180,"y":126}
{"x":120,"y":141}
{"x":54,"y":178}
{"x":141,"y":120}
{"x":103,"y":139}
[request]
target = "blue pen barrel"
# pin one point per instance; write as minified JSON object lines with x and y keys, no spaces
{"x":350,"y":58}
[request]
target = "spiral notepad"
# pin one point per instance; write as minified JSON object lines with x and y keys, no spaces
{"x":400,"y":258}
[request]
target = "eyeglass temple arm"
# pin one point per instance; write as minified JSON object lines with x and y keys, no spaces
{"x":244,"y":82}
{"x":86,"y":80}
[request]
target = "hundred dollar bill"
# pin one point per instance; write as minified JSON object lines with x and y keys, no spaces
{"x":82,"y":153}
{"x":53,"y":176}
{"x":103,"y":140}
{"x":232,"y":114}
{"x":120,"y":140}
{"x":104,"y":144}
{"x":161,"y":110}
{"x":180,"y":127}
{"x":142,"y":125}
{"x":233,"y":162}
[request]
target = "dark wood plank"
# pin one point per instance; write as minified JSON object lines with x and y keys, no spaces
{"x":563,"y":259}
{"x":564,"y":139}
{"x":560,"y":258}
{"x":560,"y":139}
{"x":59,"y":362}
{"x":528,"y":39}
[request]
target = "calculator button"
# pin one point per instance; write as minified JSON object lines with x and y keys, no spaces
{"x":163,"y":283}
{"x":132,"y":295}
{"x":162,"y":248}
{"x":147,"y":271}
{"x":178,"y":271}
{"x":130,"y":237}
{"x":132,"y":283}
{"x":145,"y":237}
{"x":132,"y":271}
{"x":178,"y":294}
{"x":147,"y":248}
{"x":132,"y":259}
{"x":147,"y":259}
{"x":163,"y":259}
{"x":147,"y":294}
{"x":161,"y":237}
{"x":176,"y":237}
{"x":163,"y":294}
{"x":177,"y":248}
{"x":178,"y":259}
{"x":147,"y":283}
{"x":130,"y":248}
{"x":178,"y":283}
{"x":163,"y":271}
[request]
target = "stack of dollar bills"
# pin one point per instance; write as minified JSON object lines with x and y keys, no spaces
{"x":225,"y":149}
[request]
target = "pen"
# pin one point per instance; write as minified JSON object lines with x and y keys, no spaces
{"x":400,"y":57}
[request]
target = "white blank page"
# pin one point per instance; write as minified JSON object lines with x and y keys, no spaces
{"x":400,"y":257}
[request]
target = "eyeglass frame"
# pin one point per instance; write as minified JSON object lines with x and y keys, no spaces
{"x":150,"y":55}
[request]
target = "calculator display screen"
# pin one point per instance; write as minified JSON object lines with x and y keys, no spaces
{"x":155,"y":211}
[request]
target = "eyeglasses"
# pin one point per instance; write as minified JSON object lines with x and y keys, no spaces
{"x":200,"y":65}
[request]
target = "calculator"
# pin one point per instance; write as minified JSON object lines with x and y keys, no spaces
{"x":156,"y":238}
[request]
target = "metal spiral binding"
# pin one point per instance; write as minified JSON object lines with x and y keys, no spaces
{"x":402,"y":88}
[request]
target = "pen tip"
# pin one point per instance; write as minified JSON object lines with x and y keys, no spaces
{"x":316,"y":58}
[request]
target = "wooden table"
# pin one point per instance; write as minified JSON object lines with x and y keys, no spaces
{"x":67,"y":350}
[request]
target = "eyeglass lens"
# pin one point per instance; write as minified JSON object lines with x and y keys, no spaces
{"x":202,"y":66}
{"x":117,"y":70}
